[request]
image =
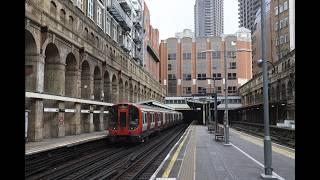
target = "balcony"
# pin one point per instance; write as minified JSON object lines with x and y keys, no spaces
{"x":137,"y":38}
{"x":126,"y":5}
{"x":137,"y":22}
{"x":118,"y":13}
{"x":125,"y":44}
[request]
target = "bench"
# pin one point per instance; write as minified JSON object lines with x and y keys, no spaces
{"x":219,"y":133}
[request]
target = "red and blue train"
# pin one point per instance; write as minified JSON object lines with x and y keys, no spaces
{"x":136,"y":123}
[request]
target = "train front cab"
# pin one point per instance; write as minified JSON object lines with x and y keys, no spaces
{"x":124,"y":124}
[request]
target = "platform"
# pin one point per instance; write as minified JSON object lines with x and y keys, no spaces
{"x":198,"y":156}
{"x":53,"y":143}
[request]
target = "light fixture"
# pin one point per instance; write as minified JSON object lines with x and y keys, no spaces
{"x":282,"y":104}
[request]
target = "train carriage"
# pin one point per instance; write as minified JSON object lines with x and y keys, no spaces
{"x":135,"y":123}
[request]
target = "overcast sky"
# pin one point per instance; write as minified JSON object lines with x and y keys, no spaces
{"x":171,"y":16}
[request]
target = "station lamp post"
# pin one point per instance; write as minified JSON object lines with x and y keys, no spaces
{"x":267,"y":140}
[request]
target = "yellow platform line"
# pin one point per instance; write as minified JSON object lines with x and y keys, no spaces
{"x":259,"y":142}
{"x":174,"y":157}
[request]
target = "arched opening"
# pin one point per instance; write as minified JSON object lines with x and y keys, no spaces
{"x":71,"y":74}
{"x":71,"y":90}
{"x":97,"y":84}
{"x":131,"y":93}
{"x":138,"y":94}
{"x":54,"y":82}
{"x":290,"y":90}
{"x":121,"y":90}
{"x":115,"y":90}
{"x":107,"y":87}
{"x":126,"y":87}
{"x":30,"y":56}
{"x":85,"y":80}
{"x":97,"y":91}
{"x":85,"y":94}
{"x":54,"y":71}
{"x":135,"y":96}
{"x":283,"y":92}
{"x":278,"y":93}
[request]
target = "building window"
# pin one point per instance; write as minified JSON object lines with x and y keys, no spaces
{"x":53,"y":8}
{"x":115,"y":32}
{"x":286,"y":39}
{"x":99,"y":16}
{"x":202,"y":76}
{"x":281,"y":39}
{"x":232,"y":89}
{"x":285,"y":5}
{"x":276,"y":10}
{"x":108,"y":28}
{"x":232,"y":75}
{"x":276,"y":26}
{"x":231,"y":54}
{"x":186,"y":90}
{"x":201,"y":55}
{"x":277,"y":41}
{"x":202,"y":90}
{"x":216,"y":54}
{"x":186,"y":56}
{"x":172,"y":77}
{"x":280,"y":8}
{"x":219,"y":89}
{"x":187,"y":77}
{"x":71,"y":22}
{"x":79,"y":4}
{"x":232,"y":65}
{"x":169,"y":67}
{"x":62,"y":16}
{"x":217,"y":76}
{"x":172,"y":56}
{"x":90,"y":9}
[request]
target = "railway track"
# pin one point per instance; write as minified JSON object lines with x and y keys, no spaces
{"x":282,"y":136}
{"x":122,"y":162}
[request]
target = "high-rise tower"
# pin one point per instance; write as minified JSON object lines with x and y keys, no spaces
{"x":208,"y":18}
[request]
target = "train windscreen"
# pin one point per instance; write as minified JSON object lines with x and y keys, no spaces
{"x":123,"y":119}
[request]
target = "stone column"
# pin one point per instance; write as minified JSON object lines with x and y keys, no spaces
{"x":101,"y":125}
{"x":35,"y":120}
{"x":90,"y":121}
{"x":60,"y":121}
{"x":75,"y":120}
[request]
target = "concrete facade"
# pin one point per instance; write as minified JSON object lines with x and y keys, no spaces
{"x":187,"y":62}
{"x":70,"y":58}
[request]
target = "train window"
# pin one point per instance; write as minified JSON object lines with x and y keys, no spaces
{"x":144,"y":117}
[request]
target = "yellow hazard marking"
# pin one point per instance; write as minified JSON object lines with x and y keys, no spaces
{"x":259,"y":142}
{"x":174,"y":157}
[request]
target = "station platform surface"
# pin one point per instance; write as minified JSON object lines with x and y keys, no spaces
{"x":197,"y":155}
{"x":53,"y":143}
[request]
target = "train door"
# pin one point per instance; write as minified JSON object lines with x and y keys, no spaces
{"x":156,"y":120}
{"x":148,"y":120}
{"x":122,"y":118}
{"x":159,"y":119}
{"x":144,"y":121}
{"x":152,"y":120}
